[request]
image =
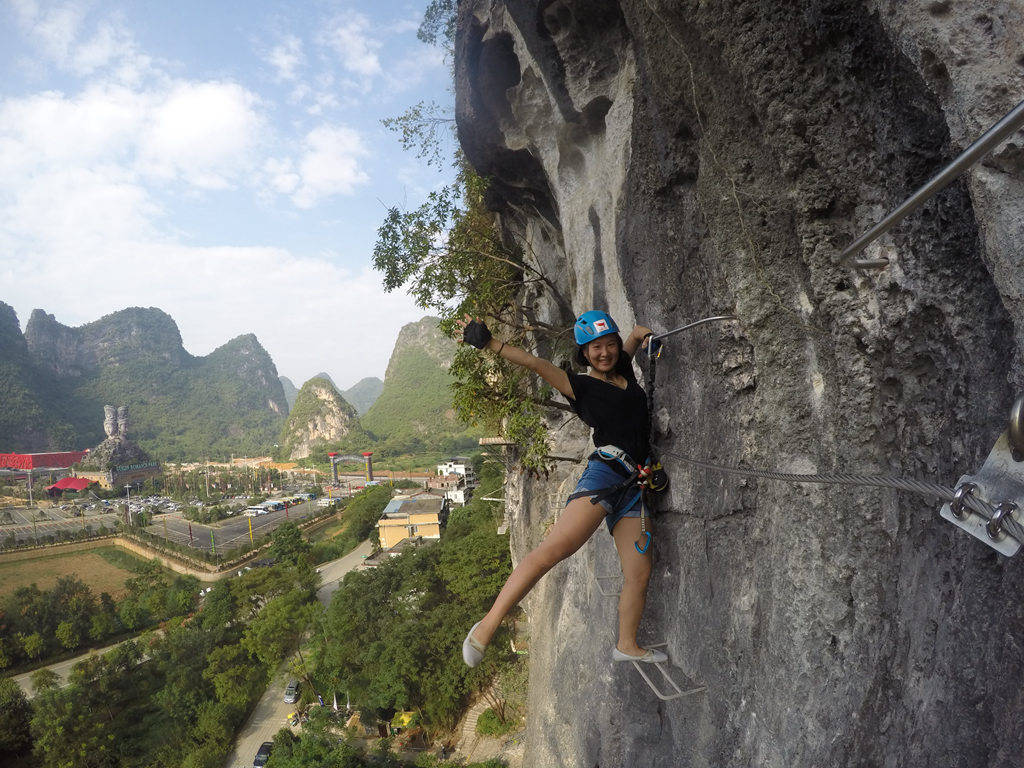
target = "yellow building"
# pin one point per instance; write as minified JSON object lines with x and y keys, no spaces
{"x":411,"y":518}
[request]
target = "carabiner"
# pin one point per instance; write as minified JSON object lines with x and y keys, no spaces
{"x":643,"y":550}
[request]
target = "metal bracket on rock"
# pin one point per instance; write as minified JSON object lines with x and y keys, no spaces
{"x":614,"y":580}
{"x":673,"y":691}
{"x":1000,"y":482}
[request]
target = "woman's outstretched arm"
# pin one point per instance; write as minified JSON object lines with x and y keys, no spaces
{"x":635,"y":339}
{"x":547,"y":370}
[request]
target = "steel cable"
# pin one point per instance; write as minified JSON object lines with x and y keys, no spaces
{"x":894,"y":482}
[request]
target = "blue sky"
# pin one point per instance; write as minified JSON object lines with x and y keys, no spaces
{"x":222,"y":161}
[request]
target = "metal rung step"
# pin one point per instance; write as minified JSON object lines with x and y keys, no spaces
{"x":602,"y":580}
{"x":674,"y":691}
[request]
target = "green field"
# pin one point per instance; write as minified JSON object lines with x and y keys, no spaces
{"x":104,"y":569}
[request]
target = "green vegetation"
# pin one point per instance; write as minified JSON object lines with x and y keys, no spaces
{"x":414,"y":412}
{"x":15,"y":738}
{"x":211,"y":514}
{"x":290,"y":390}
{"x":363,"y":393}
{"x":318,"y":745}
{"x":36,"y":624}
{"x":32,"y":415}
{"x":183,"y":706}
{"x":415,"y":407}
{"x":489,"y":724}
{"x":450,"y":257}
{"x":396,"y":630}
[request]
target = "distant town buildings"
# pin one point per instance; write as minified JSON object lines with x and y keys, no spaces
{"x":456,"y":478}
{"x":412,"y":518}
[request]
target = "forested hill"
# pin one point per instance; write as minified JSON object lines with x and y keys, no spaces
{"x":290,"y":391}
{"x":364,"y":393}
{"x":30,"y":416}
{"x":181,"y":406}
{"x":319,"y":417}
{"x":415,"y":405}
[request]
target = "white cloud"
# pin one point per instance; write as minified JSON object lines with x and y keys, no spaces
{"x":202,"y":132}
{"x":287,"y":57}
{"x":412,"y":69}
{"x":63,"y":33}
{"x":85,"y":175}
{"x":329,"y":165}
{"x":350,"y":37}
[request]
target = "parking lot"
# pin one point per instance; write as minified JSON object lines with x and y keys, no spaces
{"x":27,"y":524}
{"x":41,"y":523}
{"x":228,"y":533}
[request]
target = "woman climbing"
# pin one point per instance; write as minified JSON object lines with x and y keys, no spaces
{"x":609,"y":400}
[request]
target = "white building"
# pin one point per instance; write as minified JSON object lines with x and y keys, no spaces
{"x":458,"y":465}
{"x":462,"y":467}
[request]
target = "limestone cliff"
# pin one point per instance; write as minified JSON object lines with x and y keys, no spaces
{"x":230,"y":400}
{"x":669,"y":161}
{"x":320,"y":416}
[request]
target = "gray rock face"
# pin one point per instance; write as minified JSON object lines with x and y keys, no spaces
{"x":673,"y":161}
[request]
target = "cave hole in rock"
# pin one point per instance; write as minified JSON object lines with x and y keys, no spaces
{"x":556,"y":17}
{"x":499,"y":71}
{"x":595,"y":112}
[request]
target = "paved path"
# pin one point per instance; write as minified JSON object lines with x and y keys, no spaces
{"x":63,"y":668}
{"x":333,"y":572}
{"x":269,"y":715}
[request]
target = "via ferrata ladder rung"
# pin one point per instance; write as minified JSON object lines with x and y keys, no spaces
{"x":601,"y":580}
{"x":673,"y":691}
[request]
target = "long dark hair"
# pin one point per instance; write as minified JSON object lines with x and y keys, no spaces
{"x":621,"y":365}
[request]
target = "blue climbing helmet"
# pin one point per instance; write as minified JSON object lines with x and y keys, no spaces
{"x":593,"y":325}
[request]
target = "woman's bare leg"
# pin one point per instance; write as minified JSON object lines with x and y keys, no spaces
{"x":575,"y":525}
{"x":636,"y":572}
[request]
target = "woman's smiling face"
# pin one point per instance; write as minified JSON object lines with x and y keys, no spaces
{"x":603,"y":353}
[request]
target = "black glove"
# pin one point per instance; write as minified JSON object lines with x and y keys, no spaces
{"x":476,"y":334}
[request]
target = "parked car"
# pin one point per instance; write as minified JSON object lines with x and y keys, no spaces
{"x":291,"y":693}
{"x":263,"y":754}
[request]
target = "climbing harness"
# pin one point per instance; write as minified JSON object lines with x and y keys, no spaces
{"x":638,"y":480}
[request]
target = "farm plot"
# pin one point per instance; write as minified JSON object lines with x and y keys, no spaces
{"x":104,"y":569}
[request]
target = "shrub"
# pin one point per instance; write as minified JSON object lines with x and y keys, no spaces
{"x":490,"y":724}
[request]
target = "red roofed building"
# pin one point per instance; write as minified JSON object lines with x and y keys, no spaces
{"x":69,"y":484}
{"x":37,"y":461}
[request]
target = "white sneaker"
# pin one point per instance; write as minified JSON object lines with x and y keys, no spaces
{"x":472,"y":649}
{"x":650,"y":656}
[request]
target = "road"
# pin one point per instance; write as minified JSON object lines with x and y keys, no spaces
{"x":269,"y":715}
{"x":63,"y":668}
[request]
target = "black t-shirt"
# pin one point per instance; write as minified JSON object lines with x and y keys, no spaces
{"x":618,"y":416}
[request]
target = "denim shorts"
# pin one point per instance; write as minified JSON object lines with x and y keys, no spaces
{"x":599,"y":475}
